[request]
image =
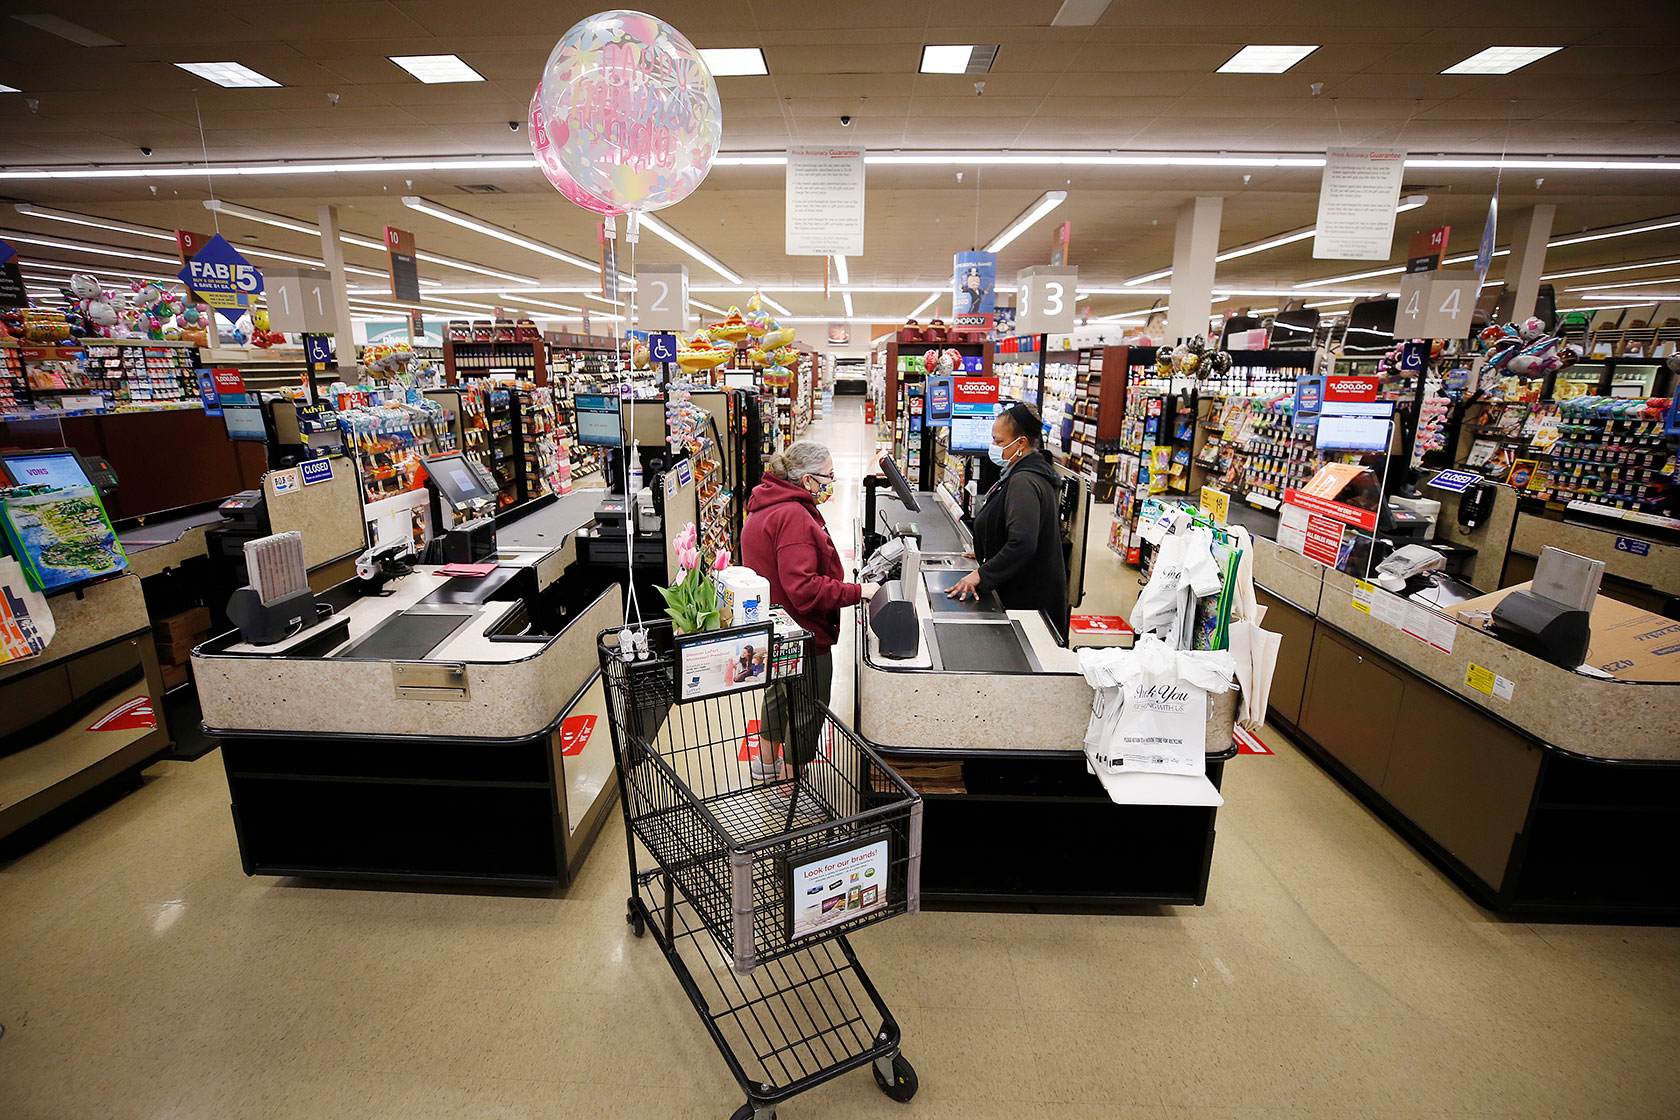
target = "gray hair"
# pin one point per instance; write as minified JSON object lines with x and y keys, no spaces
{"x":800,"y":458}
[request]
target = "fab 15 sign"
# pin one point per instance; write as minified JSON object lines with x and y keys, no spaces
{"x":222,"y":278}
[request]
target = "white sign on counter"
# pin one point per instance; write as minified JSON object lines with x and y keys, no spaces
{"x":824,"y":202}
{"x":1356,"y":201}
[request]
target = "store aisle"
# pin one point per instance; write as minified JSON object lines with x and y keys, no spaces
{"x":1333,"y":973}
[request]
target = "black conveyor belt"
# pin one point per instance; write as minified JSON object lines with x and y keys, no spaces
{"x":549,"y":526}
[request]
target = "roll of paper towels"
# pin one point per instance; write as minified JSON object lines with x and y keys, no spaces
{"x":743,"y":597}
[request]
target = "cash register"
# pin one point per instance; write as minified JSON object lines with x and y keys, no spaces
{"x":463,"y":497}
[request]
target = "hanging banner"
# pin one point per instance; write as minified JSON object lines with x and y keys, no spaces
{"x":824,"y":202}
{"x":222,"y":278}
{"x":187,"y":245}
{"x":1427,"y":249}
{"x":11,"y":279}
{"x":973,"y":283}
{"x":404,"y":269}
{"x":1356,"y":202}
{"x":1061,"y":240}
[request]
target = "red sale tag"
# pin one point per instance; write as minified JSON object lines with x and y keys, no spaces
{"x":574,"y":734}
{"x":749,"y":742}
{"x":1098,"y":624}
{"x":128,"y":716}
{"x":1248,"y":742}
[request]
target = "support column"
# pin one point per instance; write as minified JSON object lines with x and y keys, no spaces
{"x":1193,"y":264}
{"x":1530,"y":231}
{"x":332,"y":252}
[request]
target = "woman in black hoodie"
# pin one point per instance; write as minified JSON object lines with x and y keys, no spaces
{"x":1018,"y":531}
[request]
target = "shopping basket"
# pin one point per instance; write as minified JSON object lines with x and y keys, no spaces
{"x":754,"y":884}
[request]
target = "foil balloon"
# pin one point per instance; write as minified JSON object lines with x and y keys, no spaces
{"x":630,"y":110}
{"x":548,"y":159}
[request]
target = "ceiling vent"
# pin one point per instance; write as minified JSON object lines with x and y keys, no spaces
{"x":480,"y":188}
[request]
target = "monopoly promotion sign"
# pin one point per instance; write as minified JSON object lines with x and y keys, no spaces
{"x":222,"y":278}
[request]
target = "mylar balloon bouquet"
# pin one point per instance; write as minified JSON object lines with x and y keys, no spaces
{"x":630,"y":111}
{"x":548,"y":159}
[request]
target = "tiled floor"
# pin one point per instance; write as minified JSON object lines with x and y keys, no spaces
{"x":1333,"y":973}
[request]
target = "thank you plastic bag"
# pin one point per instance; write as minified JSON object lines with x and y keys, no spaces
{"x":1150,"y":710}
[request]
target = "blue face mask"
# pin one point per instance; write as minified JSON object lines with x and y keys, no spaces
{"x":998,"y":452}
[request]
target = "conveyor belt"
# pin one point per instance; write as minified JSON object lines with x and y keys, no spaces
{"x":155,"y":533}
{"x":550,"y":526}
{"x":980,"y":647}
{"x":939,"y":532}
{"x":406,"y":637}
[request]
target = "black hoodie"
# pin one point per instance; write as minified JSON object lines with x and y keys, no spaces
{"x":1018,"y":539}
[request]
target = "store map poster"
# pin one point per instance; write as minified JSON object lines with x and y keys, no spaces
{"x":61,"y":536}
{"x":836,"y":885}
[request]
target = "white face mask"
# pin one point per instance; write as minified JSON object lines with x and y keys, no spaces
{"x":999,"y":452}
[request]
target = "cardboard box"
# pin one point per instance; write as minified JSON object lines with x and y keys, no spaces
{"x":177,"y":629}
{"x":174,"y":676}
{"x":1628,"y":643}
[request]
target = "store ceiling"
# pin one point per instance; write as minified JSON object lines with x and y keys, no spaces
{"x":1142,"y":78}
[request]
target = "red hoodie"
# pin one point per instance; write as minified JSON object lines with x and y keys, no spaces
{"x":786,"y":542}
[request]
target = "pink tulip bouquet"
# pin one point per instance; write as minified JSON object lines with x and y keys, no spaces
{"x":692,"y":600}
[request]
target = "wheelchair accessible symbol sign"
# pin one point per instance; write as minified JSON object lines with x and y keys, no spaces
{"x":662,"y":347}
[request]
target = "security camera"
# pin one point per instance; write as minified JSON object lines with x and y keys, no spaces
{"x":332,"y":99}
{"x":845,"y":120}
{"x":145,"y":151}
{"x":513,"y":126}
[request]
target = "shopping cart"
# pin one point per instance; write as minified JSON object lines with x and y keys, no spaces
{"x":754,"y":885}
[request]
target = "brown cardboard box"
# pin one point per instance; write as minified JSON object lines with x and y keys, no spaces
{"x":1628,"y":643}
{"x":178,"y":628}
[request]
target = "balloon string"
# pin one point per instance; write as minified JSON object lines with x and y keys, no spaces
{"x":209,"y":179}
{"x":630,"y":380}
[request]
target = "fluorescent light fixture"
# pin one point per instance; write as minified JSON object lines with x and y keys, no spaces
{"x":843,"y":273}
{"x":1079,"y":13}
{"x":602,"y":299}
{"x":707,"y":306}
{"x":671,"y":236}
{"x":9,"y":89}
{"x":103,"y":272}
{"x":774,"y":306}
{"x":1331,"y":302}
{"x":231,"y":75}
{"x":80,"y":247}
{"x":1047,"y":202}
{"x":734,"y":62}
{"x":1254,"y":59}
{"x":1610,"y":306}
{"x":1618,"y":231}
{"x":846,"y":298}
{"x":262,"y":216}
{"x":1148,"y":276}
{"x":466,"y":221}
{"x":1500,"y":60}
{"x":1627,"y":284}
{"x":925,"y":304}
{"x":437,"y":69}
{"x":526,"y":301}
{"x":958,"y":60}
{"x":1660,"y":297}
{"x":50,"y":214}
{"x":1611,"y":268}
{"x":64,"y":29}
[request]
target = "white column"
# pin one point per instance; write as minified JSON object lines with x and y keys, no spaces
{"x":1193,"y":264}
{"x":332,"y":252}
{"x":1529,"y":234}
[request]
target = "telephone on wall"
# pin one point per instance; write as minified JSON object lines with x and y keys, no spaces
{"x":1475,"y":505}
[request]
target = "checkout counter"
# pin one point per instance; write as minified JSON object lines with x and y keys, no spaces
{"x":984,"y":711}
{"x":1543,"y":791}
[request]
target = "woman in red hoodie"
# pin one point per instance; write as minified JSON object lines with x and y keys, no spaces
{"x":786,"y":542}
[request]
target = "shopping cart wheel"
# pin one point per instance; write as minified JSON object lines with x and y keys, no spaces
{"x":902,"y":1085}
{"x":634,"y":917}
{"x":749,"y":1112}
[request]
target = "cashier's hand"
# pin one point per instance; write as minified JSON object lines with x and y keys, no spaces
{"x":969,"y":556}
{"x":869,"y":590}
{"x":968,"y":587}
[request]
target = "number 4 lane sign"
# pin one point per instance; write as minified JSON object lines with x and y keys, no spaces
{"x":1433,"y":305}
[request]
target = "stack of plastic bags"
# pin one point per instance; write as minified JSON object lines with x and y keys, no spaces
{"x":1149,"y":714}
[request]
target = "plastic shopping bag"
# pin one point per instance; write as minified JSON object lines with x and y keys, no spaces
{"x":26,"y":622}
{"x":1150,"y":709}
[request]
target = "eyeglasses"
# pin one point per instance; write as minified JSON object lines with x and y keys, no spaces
{"x":819,"y":474}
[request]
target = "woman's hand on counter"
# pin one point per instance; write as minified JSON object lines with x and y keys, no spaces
{"x":970,"y":556}
{"x":968,"y":587}
{"x":869,"y":590}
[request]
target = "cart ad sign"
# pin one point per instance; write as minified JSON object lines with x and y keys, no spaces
{"x":838,"y":885}
{"x":222,"y":278}
{"x":716,"y":662}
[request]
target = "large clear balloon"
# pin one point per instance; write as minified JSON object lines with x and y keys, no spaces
{"x":631,"y":110}
{"x":548,"y":159}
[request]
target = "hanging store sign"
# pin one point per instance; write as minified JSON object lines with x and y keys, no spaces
{"x":222,"y":278}
{"x":1426,"y":250}
{"x":11,"y":279}
{"x":973,"y":283}
{"x":662,"y":299}
{"x":1061,"y":241}
{"x":1044,"y":299}
{"x":297,"y":300}
{"x":1436,"y":305}
{"x":1356,"y":201}
{"x":824,"y":201}
{"x":402,"y":265}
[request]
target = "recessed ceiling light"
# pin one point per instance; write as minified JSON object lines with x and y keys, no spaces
{"x":1264,"y":59}
{"x":1500,"y":60}
{"x":733,"y":62}
{"x":9,"y":89}
{"x":233,"y":75}
{"x":437,"y":69}
{"x":958,"y":60}
{"x":64,"y":29}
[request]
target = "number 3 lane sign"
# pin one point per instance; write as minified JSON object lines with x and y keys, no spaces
{"x":1044,"y":297}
